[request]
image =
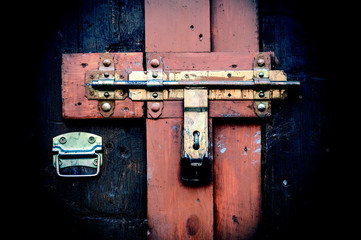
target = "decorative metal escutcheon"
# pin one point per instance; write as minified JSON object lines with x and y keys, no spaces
{"x":77,"y":154}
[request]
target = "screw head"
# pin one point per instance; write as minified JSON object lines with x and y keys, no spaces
{"x":106,"y":74}
{"x":261,"y":107}
{"x":261,"y":94}
{"x":106,"y":107}
{"x":155,"y":95}
{"x":106,"y":94}
{"x":154,"y":63}
{"x":260,"y":62}
{"x":107,"y":62}
{"x":95,"y":162}
{"x":62,"y":140}
{"x":261,"y":74}
{"x":155,"y":107}
{"x":154,"y":74}
{"x":91,"y":139}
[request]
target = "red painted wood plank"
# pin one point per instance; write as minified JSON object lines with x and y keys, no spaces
{"x":175,"y":211}
{"x":76,"y":105}
{"x":237,"y":180}
{"x":234,"y":26}
{"x":216,"y":109}
{"x":207,"y":61}
{"x":177,"y":26}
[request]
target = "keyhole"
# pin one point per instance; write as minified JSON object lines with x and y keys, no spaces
{"x":196,"y":140}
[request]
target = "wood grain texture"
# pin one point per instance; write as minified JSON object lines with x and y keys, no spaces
{"x":113,"y":205}
{"x":207,"y":61}
{"x":234,"y":26}
{"x":217,"y":109}
{"x":175,"y":211}
{"x":237,"y":180}
{"x":76,"y":105}
{"x":177,"y":26}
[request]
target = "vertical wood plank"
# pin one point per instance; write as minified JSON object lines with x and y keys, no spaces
{"x":237,"y":180}
{"x":175,"y":211}
{"x":234,"y":26}
{"x":177,"y":26}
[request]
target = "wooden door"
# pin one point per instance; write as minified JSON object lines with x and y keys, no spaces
{"x":103,"y":208}
{"x":200,"y":36}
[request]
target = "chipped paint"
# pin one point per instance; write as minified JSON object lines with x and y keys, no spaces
{"x":257,"y":135}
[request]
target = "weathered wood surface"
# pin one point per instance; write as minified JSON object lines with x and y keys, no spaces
{"x":237,"y":180}
{"x":234,"y":26}
{"x":299,"y":140}
{"x":76,"y":105}
{"x":177,"y":26}
{"x":175,"y":211}
{"x":207,"y":61}
{"x":113,"y":205}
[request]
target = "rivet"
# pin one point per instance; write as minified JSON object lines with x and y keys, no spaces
{"x":62,"y":140}
{"x":107,"y":62}
{"x":106,"y":107}
{"x":229,"y":75}
{"x":91,"y":139}
{"x":261,"y":107}
{"x":106,"y":74}
{"x":155,"y":95}
{"x":261,"y":94}
{"x":95,"y":162}
{"x":261,"y":74}
{"x":154,"y":63}
{"x":260,"y":62}
{"x":155,"y":107}
{"x":186,"y":75}
{"x":155,"y":75}
{"x":106,"y":94}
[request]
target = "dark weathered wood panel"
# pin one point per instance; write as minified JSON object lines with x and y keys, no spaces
{"x":113,"y":205}
{"x":300,"y":198}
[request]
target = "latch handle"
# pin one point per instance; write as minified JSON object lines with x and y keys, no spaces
{"x":77,"y":149}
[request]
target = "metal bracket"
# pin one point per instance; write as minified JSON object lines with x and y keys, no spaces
{"x":105,"y":75}
{"x":77,"y":149}
{"x":195,"y":129}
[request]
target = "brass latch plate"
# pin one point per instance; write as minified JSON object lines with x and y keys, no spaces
{"x":77,"y":149}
